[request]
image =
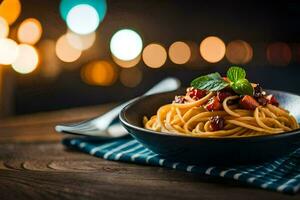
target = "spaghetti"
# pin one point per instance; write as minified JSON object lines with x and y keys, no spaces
{"x":222,"y":113}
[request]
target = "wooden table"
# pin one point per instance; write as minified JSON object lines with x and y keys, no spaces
{"x":34,"y":165}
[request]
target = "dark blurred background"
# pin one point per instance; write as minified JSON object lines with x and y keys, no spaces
{"x":259,"y":36}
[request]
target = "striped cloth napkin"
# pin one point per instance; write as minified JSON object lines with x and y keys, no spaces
{"x":282,"y":175}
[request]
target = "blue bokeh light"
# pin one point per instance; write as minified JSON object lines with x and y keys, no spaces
{"x":66,"y":5}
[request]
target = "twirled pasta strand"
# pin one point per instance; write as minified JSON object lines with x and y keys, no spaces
{"x":192,"y":119}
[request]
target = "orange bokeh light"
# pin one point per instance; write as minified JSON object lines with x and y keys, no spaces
{"x":99,"y":73}
{"x":10,"y":10}
{"x":81,"y":42}
{"x":126,"y":63}
{"x":30,"y":31}
{"x":212,"y":49}
{"x":65,"y":51}
{"x":180,"y":52}
{"x":154,"y":55}
{"x":239,"y":52}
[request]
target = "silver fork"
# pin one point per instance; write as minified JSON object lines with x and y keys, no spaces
{"x":102,"y":126}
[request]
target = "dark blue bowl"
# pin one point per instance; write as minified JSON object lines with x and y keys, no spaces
{"x":209,"y":150}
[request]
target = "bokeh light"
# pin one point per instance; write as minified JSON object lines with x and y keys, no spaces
{"x":27,"y":59}
{"x":279,"y":53}
{"x":180,"y":52}
{"x":81,"y":42}
{"x":50,"y":67}
{"x":239,"y":52}
{"x":126,"y":44}
{"x":30,"y":31}
{"x":212,"y":49}
{"x":99,"y":73}
{"x":125,"y":63}
{"x":8,"y":51}
{"x":10,"y":10}
{"x":4,"y":28}
{"x":66,"y":5}
{"x":131,"y":77}
{"x":83,"y":19}
{"x":154,"y":55}
{"x":65,"y":51}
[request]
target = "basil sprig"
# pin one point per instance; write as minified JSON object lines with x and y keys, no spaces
{"x":211,"y":82}
{"x":214,"y":82}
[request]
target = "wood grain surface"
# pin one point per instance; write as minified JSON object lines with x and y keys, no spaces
{"x":34,"y":165}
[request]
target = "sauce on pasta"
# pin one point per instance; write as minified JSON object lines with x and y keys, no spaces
{"x":222,"y":113}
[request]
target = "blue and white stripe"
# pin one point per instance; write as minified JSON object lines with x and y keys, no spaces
{"x":282,"y":175}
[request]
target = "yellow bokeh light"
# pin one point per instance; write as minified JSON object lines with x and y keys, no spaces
{"x":8,"y":51}
{"x":10,"y":10}
{"x":81,"y":42}
{"x":154,"y":55}
{"x":239,"y":52}
{"x":4,"y":28}
{"x":180,"y":52}
{"x":131,"y":77}
{"x":30,"y":31}
{"x":27,"y":59}
{"x":49,"y":62}
{"x":65,"y":51}
{"x":212,"y":49}
{"x":98,"y":73}
{"x":125,"y":63}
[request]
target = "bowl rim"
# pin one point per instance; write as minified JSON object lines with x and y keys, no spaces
{"x":126,"y":123}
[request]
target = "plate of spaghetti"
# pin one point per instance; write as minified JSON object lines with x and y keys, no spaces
{"x":218,"y":119}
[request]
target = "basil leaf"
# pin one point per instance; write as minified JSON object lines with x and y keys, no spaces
{"x":208,"y":77}
{"x":214,"y":85}
{"x":215,"y":75}
{"x":243,"y":86}
{"x":236,"y":73}
{"x":210,"y":82}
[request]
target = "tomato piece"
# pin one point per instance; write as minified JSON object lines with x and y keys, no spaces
{"x":197,"y":94}
{"x":272,"y":100}
{"x":213,"y":104}
{"x":248,"y":102}
{"x":223,"y":94}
